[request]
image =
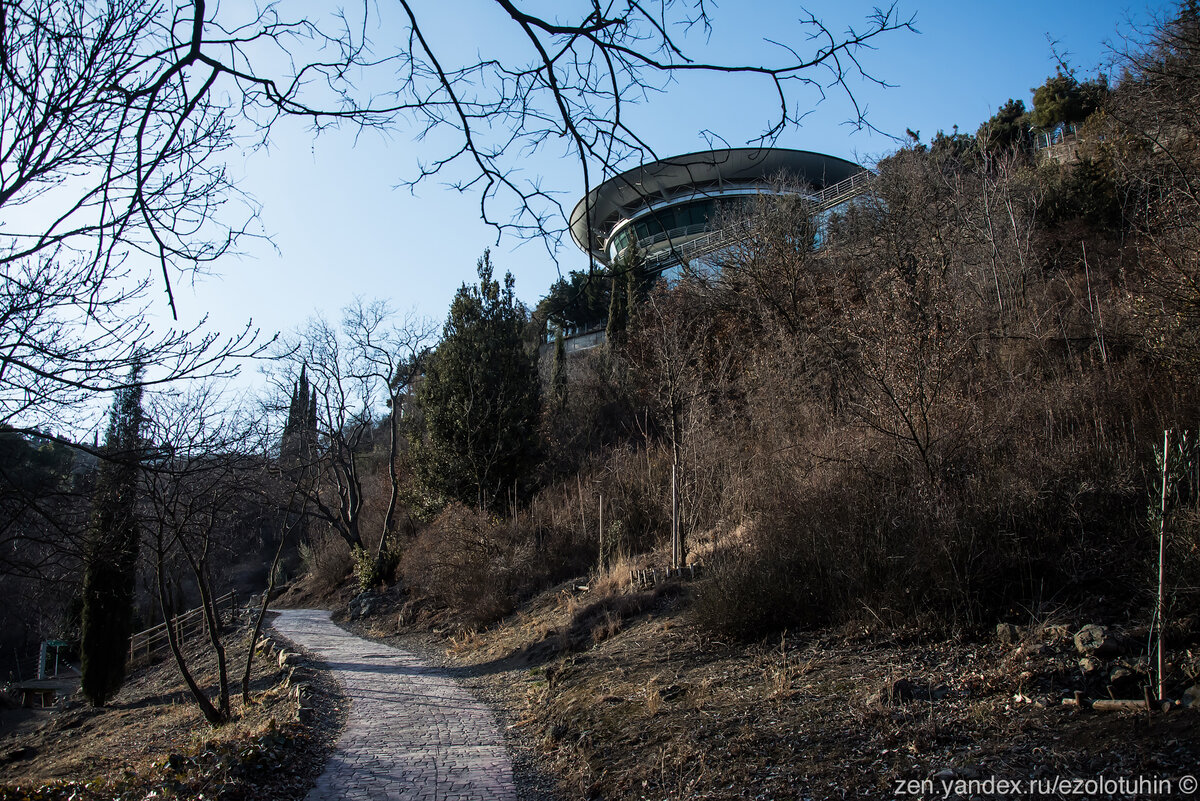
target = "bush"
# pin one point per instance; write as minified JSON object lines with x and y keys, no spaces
{"x":479,"y":567}
{"x":326,"y":558}
{"x":369,"y":572}
{"x":469,"y":563}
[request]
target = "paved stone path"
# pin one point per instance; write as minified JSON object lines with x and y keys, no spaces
{"x":412,"y":733}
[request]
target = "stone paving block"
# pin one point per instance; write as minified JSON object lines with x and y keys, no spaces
{"x":413,"y":733}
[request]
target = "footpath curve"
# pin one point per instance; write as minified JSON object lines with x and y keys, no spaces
{"x":412,"y":732}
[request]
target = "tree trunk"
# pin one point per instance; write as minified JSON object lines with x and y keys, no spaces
{"x":210,"y":712}
{"x":262,"y":609}
{"x":213,"y":618}
{"x":389,"y":519}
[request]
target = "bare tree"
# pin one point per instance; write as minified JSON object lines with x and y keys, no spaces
{"x":116,"y":115}
{"x":361,"y":372}
{"x":344,"y":425}
{"x":388,"y":354}
{"x":673,"y":345}
{"x":109,"y":161}
{"x":209,"y":465}
{"x":581,"y":70}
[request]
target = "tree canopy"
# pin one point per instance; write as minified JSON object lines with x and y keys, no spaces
{"x":1063,"y":99}
{"x":479,"y":399}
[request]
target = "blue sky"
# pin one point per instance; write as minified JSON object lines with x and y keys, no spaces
{"x":342,"y":228}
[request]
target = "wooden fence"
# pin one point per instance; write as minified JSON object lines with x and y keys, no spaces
{"x":649,"y":577}
{"x":145,"y":644}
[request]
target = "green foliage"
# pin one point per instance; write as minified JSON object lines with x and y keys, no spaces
{"x":30,"y":465}
{"x":110,"y":560}
{"x":628,"y":286}
{"x":955,"y":145}
{"x":617,"y":308}
{"x":370,"y":572}
{"x":300,"y":429}
{"x":1062,"y":99}
{"x":35,"y":482}
{"x":1086,"y":190}
{"x":479,"y":401}
{"x":579,"y":301}
{"x":1181,"y":454}
{"x":1005,"y":129}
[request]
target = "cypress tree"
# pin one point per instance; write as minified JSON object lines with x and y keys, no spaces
{"x":558,"y":370}
{"x":110,"y":558}
{"x":615,"y":330}
{"x":635,"y":284}
{"x":300,"y":430}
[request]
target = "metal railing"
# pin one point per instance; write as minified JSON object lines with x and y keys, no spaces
{"x":1049,"y":137}
{"x":145,"y":644}
{"x":826,"y":199}
{"x":843,"y":190}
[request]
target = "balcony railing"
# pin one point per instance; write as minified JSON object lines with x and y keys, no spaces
{"x":826,"y":199}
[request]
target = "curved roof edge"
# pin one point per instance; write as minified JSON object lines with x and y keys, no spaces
{"x":622,"y":195}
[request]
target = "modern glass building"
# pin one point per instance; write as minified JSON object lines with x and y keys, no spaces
{"x":671,"y":208}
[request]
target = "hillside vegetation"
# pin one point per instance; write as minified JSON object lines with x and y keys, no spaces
{"x":948,"y":414}
{"x":921,"y":466}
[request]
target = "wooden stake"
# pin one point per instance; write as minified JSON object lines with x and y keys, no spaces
{"x":1162,"y":529}
{"x":675,"y":555}
{"x":600,"y":527}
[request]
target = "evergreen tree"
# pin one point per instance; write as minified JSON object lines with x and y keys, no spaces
{"x":1063,"y":99}
{"x":1006,"y":128}
{"x":110,"y":559}
{"x":300,"y":430}
{"x":617,"y":307}
{"x":479,"y":399}
{"x":636,"y":283}
{"x":558,"y":370}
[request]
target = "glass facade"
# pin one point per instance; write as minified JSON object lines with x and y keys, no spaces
{"x":690,"y":217}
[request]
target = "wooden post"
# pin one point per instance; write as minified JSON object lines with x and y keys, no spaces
{"x":1160,"y":610}
{"x":675,"y":555}
{"x":603,"y":560}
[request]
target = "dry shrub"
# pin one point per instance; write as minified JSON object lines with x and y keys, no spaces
{"x":479,"y":566}
{"x":615,"y":579}
{"x":636,"y":488}
{"x":467,"y":562}
{"x":1036,"y":510}
{"x":326,"y":558}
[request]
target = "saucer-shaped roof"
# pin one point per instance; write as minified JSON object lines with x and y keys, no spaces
{"x":623,"y":196}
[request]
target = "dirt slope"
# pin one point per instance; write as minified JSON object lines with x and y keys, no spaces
{"x":620,"y":695}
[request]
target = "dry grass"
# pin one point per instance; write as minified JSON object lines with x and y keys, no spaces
{"x":153,"y":716}
{"x":657,"y":709}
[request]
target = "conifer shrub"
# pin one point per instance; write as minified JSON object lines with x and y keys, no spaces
{"x":369,"y":572}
